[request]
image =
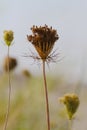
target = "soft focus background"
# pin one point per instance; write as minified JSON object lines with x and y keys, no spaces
{"x":68,"y":75}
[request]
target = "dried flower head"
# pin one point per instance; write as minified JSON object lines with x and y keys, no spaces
{"x":26,"y":73}
{"x":71,"y":102}
{"x":43,"y":39}
{"x":8,"y":37}
{"x":12,"y":63}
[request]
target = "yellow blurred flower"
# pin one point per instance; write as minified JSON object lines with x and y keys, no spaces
{"x":71,"y":102}
{"x":8,"y":37}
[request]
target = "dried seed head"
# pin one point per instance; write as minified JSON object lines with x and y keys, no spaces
{"x":71,"y":102}
{"x":26,"y":73}
{"x":12,"y":63}
{"x":43,"y":39}
{"x":8,"y":37}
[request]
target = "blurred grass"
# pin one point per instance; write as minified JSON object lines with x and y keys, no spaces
{"x":28,"y":103}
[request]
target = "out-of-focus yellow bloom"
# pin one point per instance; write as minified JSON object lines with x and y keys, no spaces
{"x":71,"y":102}
{"x":8,"y":37}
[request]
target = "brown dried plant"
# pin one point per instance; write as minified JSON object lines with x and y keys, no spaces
{"x":12,"y":63}
{"x":26,"y":73}
{"x":43,"y":39}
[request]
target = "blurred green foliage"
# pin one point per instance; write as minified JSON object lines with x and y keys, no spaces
{"x":27,"y":110}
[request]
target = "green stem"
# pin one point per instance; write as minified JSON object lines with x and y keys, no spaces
{"x":70,"y":124}
{"x":9,"y":95}
{"x":46,"y":94}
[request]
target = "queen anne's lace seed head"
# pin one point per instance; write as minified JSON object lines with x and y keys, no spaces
{"x":43,"y":39}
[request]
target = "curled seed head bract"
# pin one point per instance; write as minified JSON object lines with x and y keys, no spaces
{"x":8,"y":37}
{"x":43,"y":38}
{"x":71,"y":101}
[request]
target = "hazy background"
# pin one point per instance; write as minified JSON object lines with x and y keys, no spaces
{"x":27,"y":111}
{"x":68,"y":17}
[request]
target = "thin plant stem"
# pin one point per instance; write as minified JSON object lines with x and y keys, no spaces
{"x":46,"y":94}
{"x":9,"y":95}
{"x":70,"y":124}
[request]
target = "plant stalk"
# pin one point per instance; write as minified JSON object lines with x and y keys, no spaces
{"x":9,"y":95}
{"x":70,"y":124}
{"x":46,"y":95}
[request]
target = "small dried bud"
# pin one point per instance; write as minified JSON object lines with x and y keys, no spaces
{"x":12,"y":63}
{"x":8,"y":37}
{"x":71,"y":102}
{"x":43,"y":39}
{"x":26,"y":73}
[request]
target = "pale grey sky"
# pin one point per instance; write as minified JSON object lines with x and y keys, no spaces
{"x":68,"y":17}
